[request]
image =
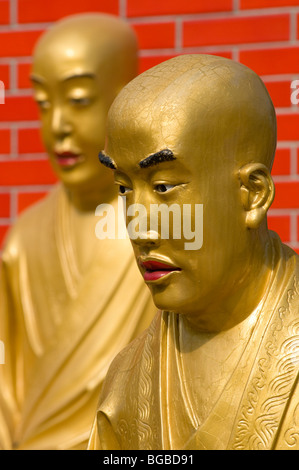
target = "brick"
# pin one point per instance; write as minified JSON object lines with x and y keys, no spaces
{"x":155,"y":35}
{"x":175,"y":7}
{"x":30,"y":141}
{"x":297,"y":25}
{"x":281,"y":225}
{"x":282,"y":162}
{"x":26,"y":172}
{"x":3,"y":232}
{"x":226,"y":54}
{"x":18,"y":43}
{"x":286,"y":195}
{"x":19,"y":108}
{"x":288,"y":127}
{"x":283,"y":60}
{"x":236,"y":30}
{"x":5,"y":75}
{"x":31,"y":11}
{"x":25,"y":200}
{"x":298,"y":161}
{"x":280,"y":93}
{"x":146,"y":63}
{"x":4,"y":12}
{"x":4,"y":141}
{"x":23,"y":76}
{"x":4,"y":205}
{"x":248,"y":4}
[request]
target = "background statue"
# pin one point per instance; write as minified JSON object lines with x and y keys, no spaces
{"x":69,"y":301}
{"x":218,"y":368}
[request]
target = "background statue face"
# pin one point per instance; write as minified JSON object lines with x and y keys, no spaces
{"x":75,"y":79}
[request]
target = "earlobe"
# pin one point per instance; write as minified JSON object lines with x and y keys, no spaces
{"x":257,"y":192}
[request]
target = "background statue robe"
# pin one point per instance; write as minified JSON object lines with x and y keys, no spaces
{"x":61,"y":336}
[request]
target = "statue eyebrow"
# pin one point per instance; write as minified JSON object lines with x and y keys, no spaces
{"x":106,"y":161}
{"x":79,"y":75}
{"x":164,"y":155}
{"x":37,"y":79}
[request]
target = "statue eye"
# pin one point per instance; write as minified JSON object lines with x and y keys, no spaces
{"x":123,"y":190}
{"x":80,"y":101}
{"x":163,"y":188}
{"x":43,"y":104}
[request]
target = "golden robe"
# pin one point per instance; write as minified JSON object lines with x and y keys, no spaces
{"x":258,"y":407}
{"x":61,"y":328}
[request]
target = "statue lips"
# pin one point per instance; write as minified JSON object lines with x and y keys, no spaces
{"x":68,"y":159}
{"x":155,"y":270}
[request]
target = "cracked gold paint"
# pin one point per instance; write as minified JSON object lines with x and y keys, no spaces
{"x":218,"y":368}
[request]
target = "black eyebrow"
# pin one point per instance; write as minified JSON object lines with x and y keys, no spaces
{"x":164,"y":155}
{"x":106,"y":161}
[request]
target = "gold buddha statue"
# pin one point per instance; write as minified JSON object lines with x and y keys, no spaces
{"x":218,"y":367}
{"x":69,"y":301}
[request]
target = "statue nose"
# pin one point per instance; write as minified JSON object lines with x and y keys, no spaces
{"x":146,"y":238}
{"x":139,"y":225}
{"x":59,"y":123}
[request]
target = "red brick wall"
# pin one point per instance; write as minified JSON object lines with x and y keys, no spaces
{"x":263,"y":34}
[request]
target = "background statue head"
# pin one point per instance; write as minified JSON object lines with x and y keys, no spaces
{"x":79,"y":66}
{"x":207,"y":127}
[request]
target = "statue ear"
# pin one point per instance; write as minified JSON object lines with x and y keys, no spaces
{"x":257,"y":192}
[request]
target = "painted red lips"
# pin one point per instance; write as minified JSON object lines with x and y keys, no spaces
{"x":67,"y":159}
{"x":155,"y":270}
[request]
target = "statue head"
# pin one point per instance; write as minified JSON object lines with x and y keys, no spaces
{"x":197,"y":131}
{"x":79,"y":66}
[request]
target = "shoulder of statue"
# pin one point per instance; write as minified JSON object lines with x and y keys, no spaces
{"x":26,"y":228}
{"x":128,"y":359}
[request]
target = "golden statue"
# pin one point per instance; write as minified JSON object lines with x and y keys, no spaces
{"x":69,"y":301}
{"x":218,"y":367}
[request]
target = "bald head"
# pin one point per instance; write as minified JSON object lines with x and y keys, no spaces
{"x":104,"y":42}
{"x":197,"y":131}
{"x":221,"y":100}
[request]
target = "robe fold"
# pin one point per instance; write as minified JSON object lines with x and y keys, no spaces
{"x":61,"y":327}
{"x":258,"y":407}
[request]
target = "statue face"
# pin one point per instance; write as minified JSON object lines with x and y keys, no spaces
{"x":196,"y":174}
{"x":73,"y":98}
